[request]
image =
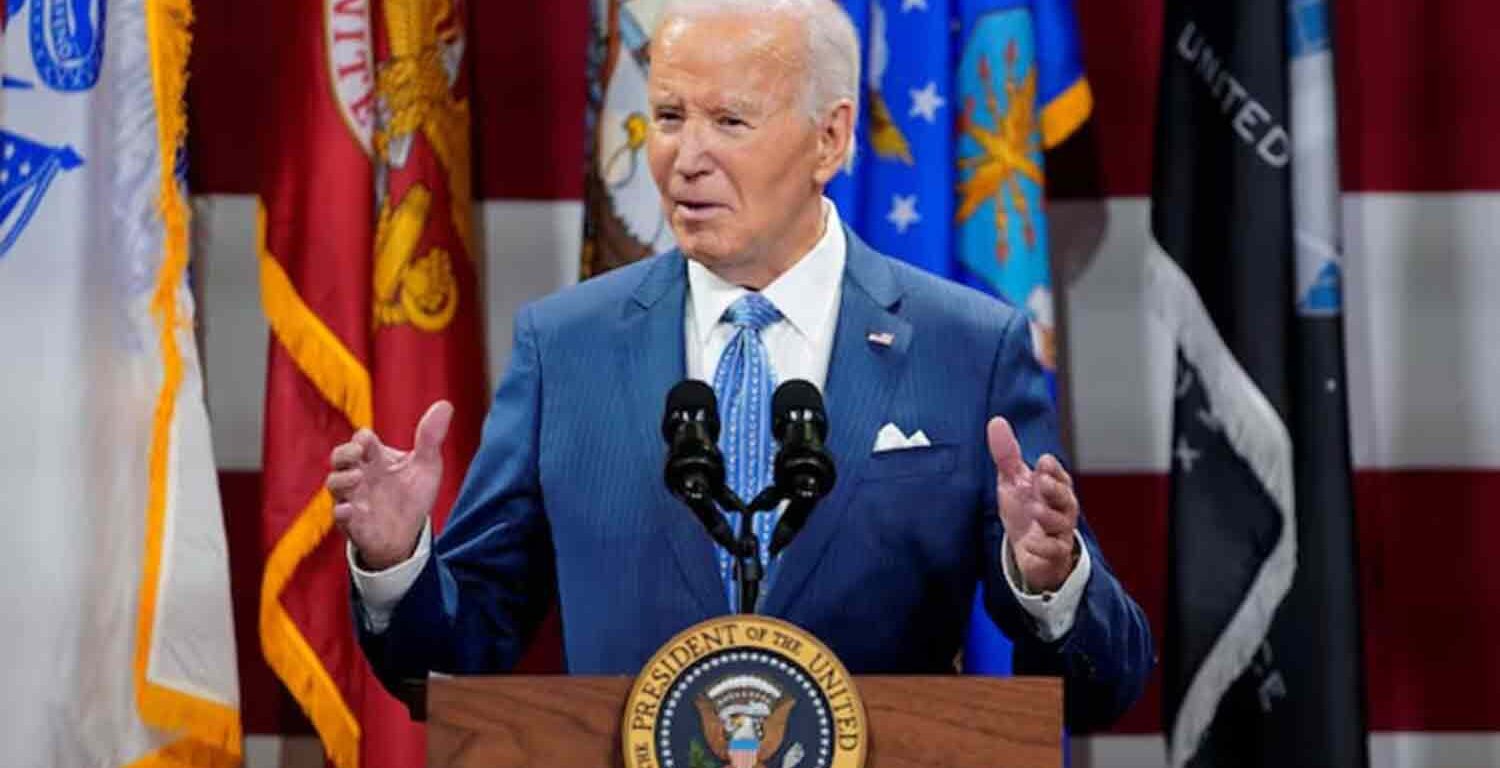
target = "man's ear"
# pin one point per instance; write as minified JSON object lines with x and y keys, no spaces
{"x":835,"y":140}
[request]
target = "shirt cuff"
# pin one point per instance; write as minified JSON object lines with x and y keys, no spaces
{"x":1053,"y":611}
{"x":381,"y":591}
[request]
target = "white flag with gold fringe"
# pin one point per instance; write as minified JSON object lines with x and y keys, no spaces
{"x":114,"y":588}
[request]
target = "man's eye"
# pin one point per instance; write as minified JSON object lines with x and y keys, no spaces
{"x":667,"y":116}
{"x":730,"y":121}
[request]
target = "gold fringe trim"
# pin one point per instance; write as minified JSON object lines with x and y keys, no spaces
{"x":287,"y":650}
{"x":313,"y":346}
{"x":210,"y":731}
{"x":343,"y":381}
{"x":1066,"y":112}
{"x":187,"y":753}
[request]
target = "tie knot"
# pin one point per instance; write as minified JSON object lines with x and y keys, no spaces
{"x":752,"y":311}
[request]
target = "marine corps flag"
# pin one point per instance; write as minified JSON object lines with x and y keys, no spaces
{"x":370,"y":287}
{"x":1263,"y":663}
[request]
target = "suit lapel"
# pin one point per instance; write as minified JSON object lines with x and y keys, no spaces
{"x":862,"y":375}
{"x":652,"y":361}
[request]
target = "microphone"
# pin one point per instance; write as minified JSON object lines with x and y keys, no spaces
{"x":695,"y":468}
{"x":804,"y":471}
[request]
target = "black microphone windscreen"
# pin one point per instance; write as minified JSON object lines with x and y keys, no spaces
{"x":796,"y":395}
{"x":695,"y":397}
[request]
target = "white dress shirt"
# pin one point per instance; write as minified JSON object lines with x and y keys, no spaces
{"x":807,"y":295}
{"x":799,"y":346}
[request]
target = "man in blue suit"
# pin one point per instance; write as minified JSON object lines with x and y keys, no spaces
{"x":940,"y":421}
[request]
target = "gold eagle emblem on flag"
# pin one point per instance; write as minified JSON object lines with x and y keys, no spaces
{"x":415,"y":98}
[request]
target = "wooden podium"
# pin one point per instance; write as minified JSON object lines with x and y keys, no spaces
{"x":574,"y":722}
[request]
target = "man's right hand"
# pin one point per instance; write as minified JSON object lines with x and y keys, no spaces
{"x":382,"y":496}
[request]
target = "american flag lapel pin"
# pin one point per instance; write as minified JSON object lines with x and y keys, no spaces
{"x":882,"y":338}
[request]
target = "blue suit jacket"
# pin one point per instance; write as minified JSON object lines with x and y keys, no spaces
{"x":565,"y":497}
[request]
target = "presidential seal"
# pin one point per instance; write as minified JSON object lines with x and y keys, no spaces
{"x":744,"y":692}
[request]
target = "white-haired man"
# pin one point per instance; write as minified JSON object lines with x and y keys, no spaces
{"x":753,"y":108}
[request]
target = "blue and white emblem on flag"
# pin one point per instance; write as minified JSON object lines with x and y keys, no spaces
{"x":67,"y":51}
{"x":67,"y":41}
{"x":27,"y":169}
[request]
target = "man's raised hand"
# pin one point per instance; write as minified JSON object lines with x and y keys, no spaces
{"x":1038,"y":509}
{"x":382,"y":496}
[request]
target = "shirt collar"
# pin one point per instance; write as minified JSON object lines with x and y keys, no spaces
{"x":803,"y":294}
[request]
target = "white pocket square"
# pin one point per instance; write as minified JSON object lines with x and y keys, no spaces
{"x":890,"y":438}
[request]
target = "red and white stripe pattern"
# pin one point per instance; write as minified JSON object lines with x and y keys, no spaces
{"x":1421,"y":173}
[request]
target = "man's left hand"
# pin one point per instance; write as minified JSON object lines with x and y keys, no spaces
{"x":1038,"y":509}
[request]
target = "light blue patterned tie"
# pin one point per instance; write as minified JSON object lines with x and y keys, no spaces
{"x":743,"y":384}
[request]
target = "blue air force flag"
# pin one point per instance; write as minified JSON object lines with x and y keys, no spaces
{"x":960,"y":99}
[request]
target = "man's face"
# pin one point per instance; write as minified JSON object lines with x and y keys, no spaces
{"x":732,"y":148}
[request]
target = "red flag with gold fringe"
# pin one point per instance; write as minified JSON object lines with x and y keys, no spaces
{"x":370,"y":287}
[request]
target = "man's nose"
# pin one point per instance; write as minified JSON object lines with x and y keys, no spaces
{"x":694,"y":158}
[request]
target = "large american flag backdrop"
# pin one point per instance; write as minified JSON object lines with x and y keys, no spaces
{"x":1421,"y":178}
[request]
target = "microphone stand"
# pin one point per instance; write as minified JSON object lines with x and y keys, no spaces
{"x":744,"y":547}
{"x":799,"y":503}
{"x":748,"y":571}
{"x":748,"y":568}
